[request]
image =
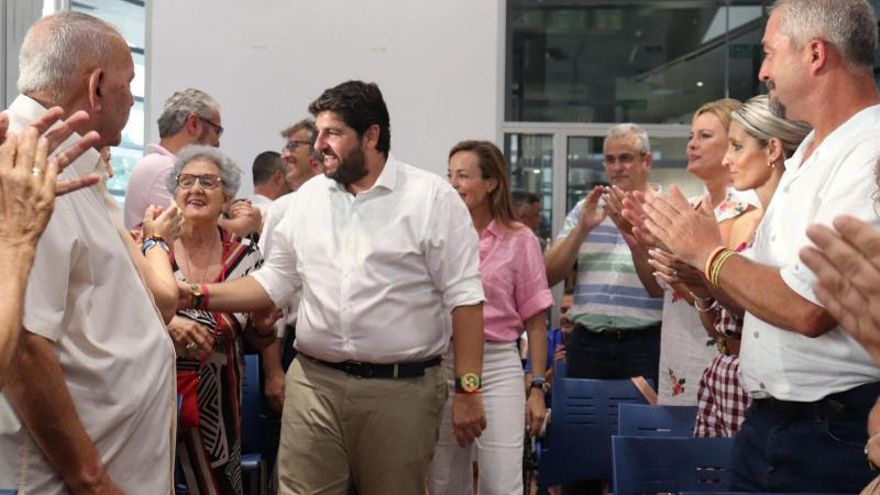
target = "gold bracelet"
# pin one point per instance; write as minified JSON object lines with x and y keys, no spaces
{"x":707,"y":268}
{"x":715,"y":272}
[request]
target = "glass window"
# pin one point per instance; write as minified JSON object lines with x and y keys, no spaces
{"x":585,"y":168}
{"x":129,"y":17}
{"x":531,"y":169}
{"x":642,"y":61}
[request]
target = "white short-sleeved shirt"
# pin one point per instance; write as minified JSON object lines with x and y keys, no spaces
{"x":85,"y":295}
{"x":837,"y":178}
{"x":381,"y":271}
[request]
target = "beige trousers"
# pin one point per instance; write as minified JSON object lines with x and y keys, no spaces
{"x":378,"y":434}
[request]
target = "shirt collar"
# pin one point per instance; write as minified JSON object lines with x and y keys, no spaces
{"x":387,"y":179}
{"x":865,"y":118}
{"x":27,"y":110}
{"x":494,"y":229}
{"x":158,"y":149}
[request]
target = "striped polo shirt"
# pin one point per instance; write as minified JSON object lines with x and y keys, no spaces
{"x":608,"y":293}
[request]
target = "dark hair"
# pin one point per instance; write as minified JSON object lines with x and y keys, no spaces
{"x":265,"y":164}
{"x":522,"y":198}
{"x":359,"y":105}
{"x":492,"y":166}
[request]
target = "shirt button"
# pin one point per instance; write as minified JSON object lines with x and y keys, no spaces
{"x":785,"y":189}
{"x":773,"y":238}
{"x":755,"y":335}
{"x":762,"y":386}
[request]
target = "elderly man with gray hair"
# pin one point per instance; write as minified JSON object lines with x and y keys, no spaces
{"x":88,"y":405}
{"x":617,"y":303}
{"x":190,"y":116}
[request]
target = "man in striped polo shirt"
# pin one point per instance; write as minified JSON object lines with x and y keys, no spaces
{"x":617,"y":303}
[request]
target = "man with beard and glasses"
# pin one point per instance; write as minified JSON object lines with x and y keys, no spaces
{"x":386,"y":258}
{"x":812,"y":384}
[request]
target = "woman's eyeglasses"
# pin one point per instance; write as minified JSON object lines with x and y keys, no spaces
{"x":207,"y":181}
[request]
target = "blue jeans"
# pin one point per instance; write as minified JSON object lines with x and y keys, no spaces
{"x":613,"y":354}
{"x":805,"y":446}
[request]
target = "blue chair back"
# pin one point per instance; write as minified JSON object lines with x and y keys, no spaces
{"x":641,"y":420}
{"x":670,"y":464}
{"x":253,"y":418}
{"x":577,"y":445}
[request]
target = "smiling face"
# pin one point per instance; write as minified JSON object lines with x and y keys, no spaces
{"x":783,"y":69}
{"x":747,"y":158}
{"x":625,"y":165}
{"x":706,"y":146}
{"x":343,"y":149}
{"x":297,"y":157}
{"x":466,"y":178}
{"x":200,"y":203}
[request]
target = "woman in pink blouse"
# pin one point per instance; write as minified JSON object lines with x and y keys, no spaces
{"x":517,"y":296}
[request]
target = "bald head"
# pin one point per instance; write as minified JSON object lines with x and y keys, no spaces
{"x":60,"y":50}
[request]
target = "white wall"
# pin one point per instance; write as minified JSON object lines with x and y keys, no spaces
{"x":438,"y":65}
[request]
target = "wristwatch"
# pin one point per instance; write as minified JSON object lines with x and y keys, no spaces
{"x":468,"y":383}
{"x":538,"y":382}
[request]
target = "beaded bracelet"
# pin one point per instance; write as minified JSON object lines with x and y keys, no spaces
{"x":153,"y":241}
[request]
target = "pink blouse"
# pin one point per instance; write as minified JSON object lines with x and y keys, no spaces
{"x":514,"y":280}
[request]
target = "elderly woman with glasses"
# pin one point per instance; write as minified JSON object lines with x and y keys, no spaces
{"x":210,"y":343}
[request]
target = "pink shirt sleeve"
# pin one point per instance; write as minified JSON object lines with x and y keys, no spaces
{"x":514,"y":280}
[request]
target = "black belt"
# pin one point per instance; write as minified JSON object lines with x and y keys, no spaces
{"x":374,"y":370}
{"x":854,"y":402}
{"x":619,"y":333}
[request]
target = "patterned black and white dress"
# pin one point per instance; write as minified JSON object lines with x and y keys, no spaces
{"x":209,"y":457}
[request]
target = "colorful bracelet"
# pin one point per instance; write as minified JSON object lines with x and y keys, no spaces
{"x":153,"y":241}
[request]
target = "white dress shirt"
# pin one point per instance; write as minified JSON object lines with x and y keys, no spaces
{"x":84,"y":295}
{"x":381,"y":271}
{"x":837,"y":178}
{"x":270,"y":222}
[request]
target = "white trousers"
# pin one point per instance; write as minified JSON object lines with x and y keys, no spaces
{"x":499,"y":450}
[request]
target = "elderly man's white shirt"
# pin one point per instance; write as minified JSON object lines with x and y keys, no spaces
{"x":85,"y":296}
{"x":838,"y":178}
{"x":381,"y":271}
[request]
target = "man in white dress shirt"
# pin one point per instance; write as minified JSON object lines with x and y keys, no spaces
{"x":89,"y":402}
{"x":387,"y":259}
{"x":811,"y":382}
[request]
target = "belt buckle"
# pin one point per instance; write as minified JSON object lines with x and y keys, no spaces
{"x":357,"y":369}
{"x":721,"y":345}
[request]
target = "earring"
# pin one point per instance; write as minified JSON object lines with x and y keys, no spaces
{"x":771,"y":164}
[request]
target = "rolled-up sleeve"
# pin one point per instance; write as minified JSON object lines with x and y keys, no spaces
{"x":452,"y":251}
{"x":850,"y":191}
{"x":279,"y":275}
{"x":531,"y":291}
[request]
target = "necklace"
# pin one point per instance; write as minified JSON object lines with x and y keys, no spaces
{"x":188,"y":263}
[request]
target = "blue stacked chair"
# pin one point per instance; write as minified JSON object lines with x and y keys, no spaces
{"x":577,"y":444}
{"x":642,"y":420}
{"x":644,"y":465}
